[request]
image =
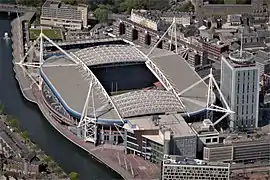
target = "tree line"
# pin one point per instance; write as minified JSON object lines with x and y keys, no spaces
{"x":15,"y":125}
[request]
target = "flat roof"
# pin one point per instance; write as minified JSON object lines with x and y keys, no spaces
{"x":180,"y":160}
{"x":242,"y":140}
{"x":155,"y":138}
{"x":198,"y":127}
{"x":173,"y":122}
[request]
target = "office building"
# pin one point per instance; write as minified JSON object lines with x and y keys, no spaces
{"x":175,"y":167}
{"x":206,"y":133}
{"x":240,"y":87}
{"x":262,"y":58}
{"x":152,"y":137}
{"x":236,"y":148}
{"x":57,"y":14}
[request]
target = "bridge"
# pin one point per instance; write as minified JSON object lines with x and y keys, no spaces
{"x":13,"y":8}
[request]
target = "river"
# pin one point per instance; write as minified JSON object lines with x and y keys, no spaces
{"x":70,"y":157}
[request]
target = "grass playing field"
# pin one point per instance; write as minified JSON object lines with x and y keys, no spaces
{"x":54,"y":34}
{"x":229,"y":1}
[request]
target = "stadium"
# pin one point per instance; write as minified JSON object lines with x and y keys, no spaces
{"x":128,"y":84}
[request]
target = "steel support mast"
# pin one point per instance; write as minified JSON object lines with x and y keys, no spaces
{"x":210,"y":106}
{"x":87,"y":124}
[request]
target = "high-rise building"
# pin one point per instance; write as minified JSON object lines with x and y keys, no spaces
{"x":55,"y":13}
{"x":240,"y":87}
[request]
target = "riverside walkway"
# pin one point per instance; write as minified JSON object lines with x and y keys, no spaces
{"x":13,"y":8}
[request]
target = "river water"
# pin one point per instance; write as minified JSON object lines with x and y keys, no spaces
{"x":70,"y":157}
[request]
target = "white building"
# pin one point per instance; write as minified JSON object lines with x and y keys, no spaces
{"x":181,"y":168}
{"x":57,"y":14}
{"x":240,"y":86}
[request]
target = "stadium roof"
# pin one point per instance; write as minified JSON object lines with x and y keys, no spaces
{"x":145,"y":102}
{"x":111,"y":53}
{"x":180,"y":76}
{"x":71,"y":83}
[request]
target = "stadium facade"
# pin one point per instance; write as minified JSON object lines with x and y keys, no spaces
{"x":66,"y":86}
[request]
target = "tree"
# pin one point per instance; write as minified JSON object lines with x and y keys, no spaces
{"x":1,"y":108}
{"x":25,"y":135}
{"x":71,"y":2}
{"x":58,"y":170}
{"x":12,"y":122}
{"x":47,"y":159}
{"x":102,"y":14}
{"x":52,"y":165}
{"x":74,"y":176}
{"x":187,"y":7}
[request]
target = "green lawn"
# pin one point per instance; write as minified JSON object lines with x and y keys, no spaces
{"x":54,"y":34}
{"x":229,"y":1}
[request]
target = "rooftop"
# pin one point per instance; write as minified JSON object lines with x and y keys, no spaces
{"x":181,"y":76}
{"x":262,"y":57}
{"x":51,"y":2}
{"x":179,"y":160}
{"x":202,"y":128}
{"x":111,"y":53}
{"x":70,"y":83}
{"x":237,"y":60}
{"x":242,"y":140}
{"x":172,"y":122}
{"x":157,"y":15}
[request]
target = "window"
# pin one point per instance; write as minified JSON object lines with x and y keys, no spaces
{"x":208,"y":140}
{"x":214,"y":140}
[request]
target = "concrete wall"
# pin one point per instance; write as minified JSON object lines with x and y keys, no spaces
{"x":184,"y":146}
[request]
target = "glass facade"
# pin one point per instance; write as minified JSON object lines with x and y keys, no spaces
{"x":148,"y":149}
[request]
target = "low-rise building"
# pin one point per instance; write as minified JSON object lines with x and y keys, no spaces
{"x":215,"y":48}
{"x":234,"y":19}
{"x":154,"y":136}
{"x":155,"y":19}
{"x":262,"y":59}
{"x":175,"y":167}
{"x":206,"y":134}
{"x":57,"y":14}
{"x":239,"y":148}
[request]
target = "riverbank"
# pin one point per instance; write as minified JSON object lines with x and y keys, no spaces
{"x":111,"y":156}
{"x":21,"y":157}
{"x":26,"y":85}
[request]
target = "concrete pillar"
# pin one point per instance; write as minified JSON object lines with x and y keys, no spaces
{"x":128,"y":35}
{"x":142,"y":35}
